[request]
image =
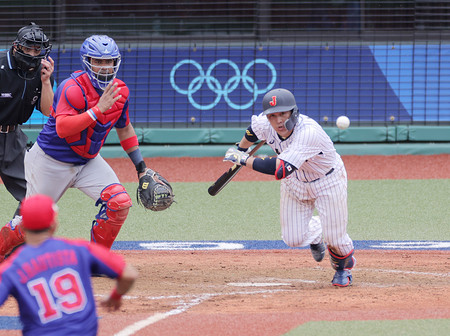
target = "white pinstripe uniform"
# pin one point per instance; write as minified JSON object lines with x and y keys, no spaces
{"x":312,"y":152}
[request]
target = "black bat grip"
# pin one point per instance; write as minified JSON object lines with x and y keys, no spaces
{"x":226,"y":177}
{"x":222,"y":181}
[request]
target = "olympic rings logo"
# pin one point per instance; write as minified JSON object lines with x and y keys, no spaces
{"x":223,"y":90}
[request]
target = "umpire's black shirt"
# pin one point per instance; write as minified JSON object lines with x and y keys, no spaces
{"x":18,"y":97}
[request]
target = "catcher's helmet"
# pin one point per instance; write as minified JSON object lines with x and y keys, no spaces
{"x":281,"y":100}
{"x":102,"y":47}
{"x":32,"y":37}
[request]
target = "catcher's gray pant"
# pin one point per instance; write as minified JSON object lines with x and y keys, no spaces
{"x":51,"y":177}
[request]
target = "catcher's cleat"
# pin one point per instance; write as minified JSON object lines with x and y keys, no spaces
{"x":342,"y":278}
{"x":318,"y":251}
{"x":3,"y":258}
{"x":10,"y":238}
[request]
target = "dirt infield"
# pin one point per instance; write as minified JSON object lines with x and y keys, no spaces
{"x":269,"y":292}
{"x":367,"y":167}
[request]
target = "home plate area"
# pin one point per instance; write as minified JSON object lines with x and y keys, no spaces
{"x":202,"y":288}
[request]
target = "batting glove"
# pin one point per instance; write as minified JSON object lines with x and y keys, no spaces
{"x":236,"y":156}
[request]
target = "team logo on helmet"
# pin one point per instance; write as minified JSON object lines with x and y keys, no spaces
{"x":281,"y":100}
{"x":274,"y":101}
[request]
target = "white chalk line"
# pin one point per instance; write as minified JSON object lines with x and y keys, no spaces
{"x":135,"y":327}
{"x":184,"y":306}
{"x":287,"y":282}
{"x":442,"y":275}
{"x":296,"y":280}
{"x":258,"y":284}
{"x":197,"y":299}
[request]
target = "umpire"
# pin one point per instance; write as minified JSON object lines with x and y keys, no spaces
{"x":26,"y":83}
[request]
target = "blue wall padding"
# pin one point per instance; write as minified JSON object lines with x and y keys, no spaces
{"x":226,"y":84}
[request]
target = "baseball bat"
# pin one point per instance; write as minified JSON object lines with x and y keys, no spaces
{"x":226,"y":177}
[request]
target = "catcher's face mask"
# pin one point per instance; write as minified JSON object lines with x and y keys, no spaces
{"x":100,"y":47}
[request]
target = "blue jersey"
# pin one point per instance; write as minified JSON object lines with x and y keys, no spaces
{"x":52,"y":285}
{"x":75,"y":96}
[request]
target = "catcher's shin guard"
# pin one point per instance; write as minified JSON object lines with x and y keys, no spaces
{"x":342,"y":265}
{"x":11,"y":236}
{"x":115,"y":204}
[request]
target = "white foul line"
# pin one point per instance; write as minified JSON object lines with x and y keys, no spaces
{"x":131,"y":329}
{"x":135,"y":327}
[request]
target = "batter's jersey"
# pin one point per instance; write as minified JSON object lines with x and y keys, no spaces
{"x":308,"y":148}
{"x":76,"y":95}
{"x":52,"y":285}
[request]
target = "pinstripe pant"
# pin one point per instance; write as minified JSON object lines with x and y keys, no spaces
{"x":328,"y":196}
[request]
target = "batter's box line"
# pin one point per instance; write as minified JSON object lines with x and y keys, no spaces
{"x":193,"y":296}
{"x":442,"y":275}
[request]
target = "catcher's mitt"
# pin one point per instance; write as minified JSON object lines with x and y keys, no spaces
{"x":154,"y":192}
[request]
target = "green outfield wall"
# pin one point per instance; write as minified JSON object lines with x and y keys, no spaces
{"x":201,"y":142}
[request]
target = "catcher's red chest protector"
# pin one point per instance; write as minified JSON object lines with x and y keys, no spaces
{"x":79,"y":95}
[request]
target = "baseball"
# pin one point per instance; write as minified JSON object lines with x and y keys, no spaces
{"x":342,"y":122}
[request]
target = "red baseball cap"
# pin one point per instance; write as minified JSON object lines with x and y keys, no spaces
{"x":38,"y":212}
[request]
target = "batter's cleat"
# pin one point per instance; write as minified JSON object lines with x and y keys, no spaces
{"x":318,"y":251}
{"x":342,"y":278}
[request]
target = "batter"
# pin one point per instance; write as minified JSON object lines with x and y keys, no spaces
{"x":312,"y":177}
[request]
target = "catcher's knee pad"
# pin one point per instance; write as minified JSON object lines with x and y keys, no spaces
{"x":340,"y":263}
{"x":115,"y":204}
{"x":11,"y":236}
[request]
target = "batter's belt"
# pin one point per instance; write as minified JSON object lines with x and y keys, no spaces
{"x":317,"y":179}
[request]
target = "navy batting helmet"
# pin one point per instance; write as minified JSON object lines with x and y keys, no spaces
{"x":281,"y":100}
{"x":31,"y":37}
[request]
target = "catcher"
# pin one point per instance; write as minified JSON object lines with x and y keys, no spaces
{"x":86,"y":107}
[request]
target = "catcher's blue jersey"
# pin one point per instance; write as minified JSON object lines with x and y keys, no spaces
{"x":52,"y":285}
{"x":83,"y":146}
